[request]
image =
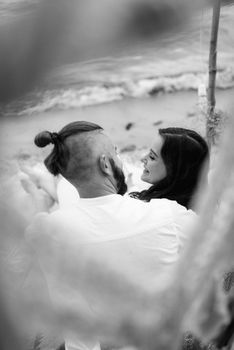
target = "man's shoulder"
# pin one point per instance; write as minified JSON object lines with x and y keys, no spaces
{"x":157,"y":203}
{"x":154,"y":212}
{"x":168,"y":204}
{"x":169,"y":208}
{"x":162,"y":202}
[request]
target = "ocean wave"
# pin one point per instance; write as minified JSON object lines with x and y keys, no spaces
{"x":64,"y":99}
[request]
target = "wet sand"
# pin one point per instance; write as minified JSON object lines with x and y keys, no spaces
{"x":131,"y":123}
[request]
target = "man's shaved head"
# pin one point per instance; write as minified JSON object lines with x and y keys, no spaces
{"x":83,"y":154}
{"x":58,"y":160}
{"x":85,"y":151}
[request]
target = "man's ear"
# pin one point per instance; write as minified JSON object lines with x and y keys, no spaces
{"x":104,"y":165}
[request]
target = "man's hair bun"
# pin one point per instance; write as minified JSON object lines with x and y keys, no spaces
{"x":43,"y":139}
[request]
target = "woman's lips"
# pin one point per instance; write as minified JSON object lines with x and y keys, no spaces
{"x":145,"y":171}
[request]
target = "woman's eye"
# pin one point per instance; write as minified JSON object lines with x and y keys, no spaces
{"x":152,"y":158}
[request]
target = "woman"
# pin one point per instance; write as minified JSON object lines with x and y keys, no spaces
{"x":173,"y":166}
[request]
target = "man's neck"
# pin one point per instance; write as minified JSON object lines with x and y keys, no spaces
{"x":92,"y":190}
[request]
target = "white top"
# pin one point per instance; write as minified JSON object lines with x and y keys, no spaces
{"x":66,"y":193}
{"x":133,"y":239}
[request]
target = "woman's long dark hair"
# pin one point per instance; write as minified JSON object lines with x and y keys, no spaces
{"x":183,"y":152}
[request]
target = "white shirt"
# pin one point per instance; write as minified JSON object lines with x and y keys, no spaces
{"x":135,"y":240}
{"x":67,"y":194}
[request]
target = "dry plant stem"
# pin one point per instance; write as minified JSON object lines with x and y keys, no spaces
{"x":212,"y":69}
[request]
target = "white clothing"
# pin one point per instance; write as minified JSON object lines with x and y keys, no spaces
{"x":66,"y":193}
{"x":136,"y":240}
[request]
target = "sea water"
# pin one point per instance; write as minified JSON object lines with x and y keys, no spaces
{"x":176,"y":62}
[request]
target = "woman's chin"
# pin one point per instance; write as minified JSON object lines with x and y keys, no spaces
{"x":144,"y":178}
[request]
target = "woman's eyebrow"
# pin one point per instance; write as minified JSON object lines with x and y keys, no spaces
{"x":153,"y":152}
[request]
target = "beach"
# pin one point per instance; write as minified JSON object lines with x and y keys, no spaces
{"x":131,"y":123}
{"x":130,"y":93}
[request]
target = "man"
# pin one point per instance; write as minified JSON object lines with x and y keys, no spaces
{"x":138,"y":242}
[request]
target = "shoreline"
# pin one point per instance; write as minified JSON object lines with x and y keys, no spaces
{"x":131,"y":123}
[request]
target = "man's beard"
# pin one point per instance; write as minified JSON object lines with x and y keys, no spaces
{"x":119,"y":178}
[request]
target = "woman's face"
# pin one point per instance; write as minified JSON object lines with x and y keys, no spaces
{"x":154,"y":167}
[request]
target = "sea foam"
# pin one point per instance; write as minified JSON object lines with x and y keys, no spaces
{"x":65,"y":99}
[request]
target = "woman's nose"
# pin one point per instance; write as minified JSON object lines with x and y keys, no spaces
{"x":144,"y":160}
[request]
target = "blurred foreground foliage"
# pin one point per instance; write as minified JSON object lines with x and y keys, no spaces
{"x":150,"y":319}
